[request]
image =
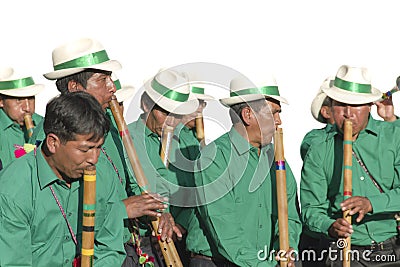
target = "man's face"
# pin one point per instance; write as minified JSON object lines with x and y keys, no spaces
{"x":357,"y":114}
{"x":73,"y":157}
{"x":190,"y":119}
{"x":265,"y":126}
{"x":17,"y":107}
{"x":159,"y":117}
{"x":102,"y":87}
{"x":275,"y":110}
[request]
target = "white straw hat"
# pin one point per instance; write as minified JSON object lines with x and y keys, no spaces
{"x":241,"y":90}
{"x":123,"y":91}
{"x":76,"y":56}
{"x":171,"y":90}
{"x":319,"y":99}
{"x":352,"y":85}
{"x":270,"y":89}
{"x":199,"y":93}
{"x":17,"y":85}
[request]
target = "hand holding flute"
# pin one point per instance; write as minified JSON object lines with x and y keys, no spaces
{"x":164,"y":223}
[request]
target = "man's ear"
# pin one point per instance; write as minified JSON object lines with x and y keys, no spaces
{"x":1,"y":102}
{"x":247,"y":115}
{"x":326,"y":112}
{"x":73,"y":86}
{"x":52,"y":143}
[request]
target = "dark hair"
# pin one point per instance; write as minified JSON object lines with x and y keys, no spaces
{"x":327,"y":102}
{"x":235,"y":110}
{"x":75,"y":113}
{"x":80,"y":77}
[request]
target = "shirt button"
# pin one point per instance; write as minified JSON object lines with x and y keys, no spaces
{"x":67,"y":237}
{"x":67,"y":260}
{"x":260,"y":205}
{"x":362,"y":178}
{"x":260,"y":226}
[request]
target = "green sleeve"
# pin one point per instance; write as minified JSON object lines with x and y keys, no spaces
{"x":15,"y":234}
{"x":313,"y":193}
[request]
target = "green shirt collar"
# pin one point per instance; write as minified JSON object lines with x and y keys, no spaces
{"x":241,"y":145}
{"x":46,"y":176}
{"x":5,"y":121}
{"x":141,"y":126}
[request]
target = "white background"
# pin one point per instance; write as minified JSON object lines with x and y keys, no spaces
{"x":300,"y":42}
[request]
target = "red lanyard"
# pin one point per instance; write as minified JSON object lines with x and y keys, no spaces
{"x":65,"y":216}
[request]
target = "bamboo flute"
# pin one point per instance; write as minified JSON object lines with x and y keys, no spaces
{"x":168,"y":249}
{"x":29,"y":124}
{"x":281,"y":193}
{"x":347,"y":182}
{"x":89,"y":203}
{"x":200,"y":129}
{"x":166,"y":139}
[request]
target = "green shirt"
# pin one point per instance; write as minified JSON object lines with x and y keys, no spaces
{"x":111,"y":157}
{"x":313,"y":136}
{"x":321,"y":187}
{"x":12,"y":134}
{"x":160,"y":179}
{"x":240,"y":195}
{"x":33,"y":230}
{"x":182,"y":165}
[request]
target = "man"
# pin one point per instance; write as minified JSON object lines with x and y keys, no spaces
{"x":40,"y":218}
{"x":320,"y":110}
{"x":83,"y":65}
{"x":237,"y":184}
{"x":165,"y":99}
{"x":375,"y":172}
{"x":17,"y":100}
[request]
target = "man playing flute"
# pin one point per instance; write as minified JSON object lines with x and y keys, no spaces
{"x":17,"y":100}
{"x":40,"y":217}
{"x":375,"y":177}
{"x":236,"y":176}
{"x":166,"y":98}
{"x":83,"y":65}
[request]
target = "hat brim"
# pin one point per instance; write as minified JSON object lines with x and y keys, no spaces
{"x":279,"y":98}
{"x":124,"y":93}
{"x":229,"y":101}
{"x":316,"y":106}
{"x":348,"y":97}
{"x":204,"y":97}
{"x":110,"y":65}
{"x":176,"y":107}
{"x":31,"y":90}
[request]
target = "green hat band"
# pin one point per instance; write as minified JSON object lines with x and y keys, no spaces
{"x":84,"y":61}
{"x":198,"y":90}
{"x":171,"y":94}
{"x":270,"y":90}
{"x":249,"y":91}
{"x":117,"y":84}
{"x":20,"y":83}
{"x":352,"y":87}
